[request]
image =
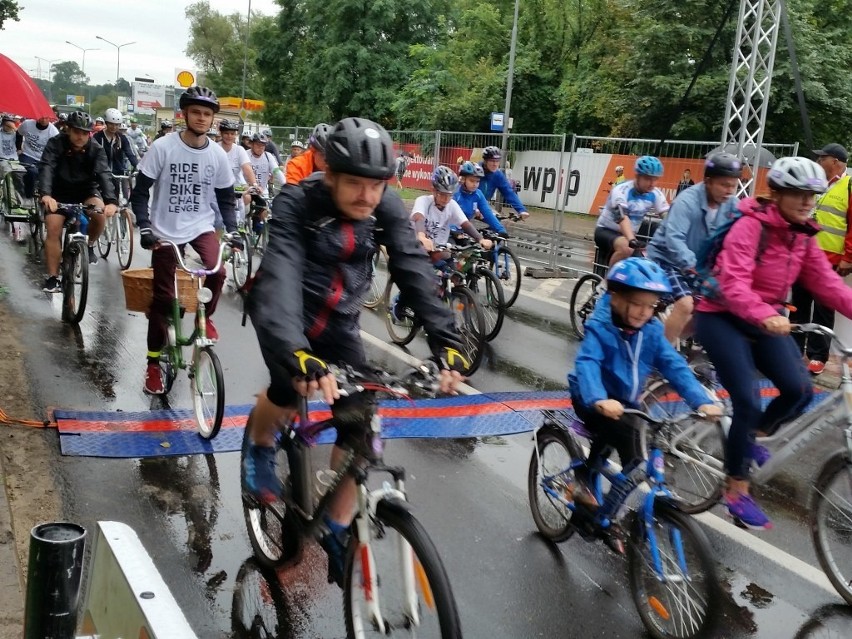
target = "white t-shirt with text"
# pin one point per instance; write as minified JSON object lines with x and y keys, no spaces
{"x":7,"y":146}
{"x":438,"y":222}
{"x":184,"y":188}
{"x":35,"y":139}
{"x":237,"y":156}
{"x":263,"y":168}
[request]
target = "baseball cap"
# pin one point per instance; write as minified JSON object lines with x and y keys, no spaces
{"x":834,"y":150}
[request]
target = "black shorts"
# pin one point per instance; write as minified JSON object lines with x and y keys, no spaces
{"x":605,"y":238}
{"x":342,"y":346}
{"x":77,"y":196}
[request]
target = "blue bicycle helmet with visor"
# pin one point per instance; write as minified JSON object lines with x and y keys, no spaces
{"x":648,"y":165}
{"x":640,"y":274}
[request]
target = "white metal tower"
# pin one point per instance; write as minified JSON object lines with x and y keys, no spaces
{"x":751,"y":77}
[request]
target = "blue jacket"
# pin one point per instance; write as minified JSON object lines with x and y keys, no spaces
{"x":470,"y":203}
{"x":497,"y":181}
{"x":608,"y":366}
{"x":685,"y":229}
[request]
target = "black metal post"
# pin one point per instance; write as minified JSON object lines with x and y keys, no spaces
{"x":53,"y":580}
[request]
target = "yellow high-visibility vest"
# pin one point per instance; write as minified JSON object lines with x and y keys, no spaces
{"x":830,"y":214}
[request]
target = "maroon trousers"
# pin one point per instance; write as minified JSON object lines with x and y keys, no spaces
{"x":164,"y":263}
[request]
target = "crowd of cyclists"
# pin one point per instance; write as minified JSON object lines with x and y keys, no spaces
{"x":335,"y":210}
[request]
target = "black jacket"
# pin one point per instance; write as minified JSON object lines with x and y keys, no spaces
{"x":119,"y":152}
{"x":318,"y":265}
{"x":62,"y":169}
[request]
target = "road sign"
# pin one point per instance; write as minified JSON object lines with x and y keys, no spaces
{"x":496,"y":121}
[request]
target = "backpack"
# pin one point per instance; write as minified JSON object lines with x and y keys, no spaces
{"x":705,"y":258}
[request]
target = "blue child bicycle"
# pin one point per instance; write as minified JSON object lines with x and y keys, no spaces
{"x":671,"y":572}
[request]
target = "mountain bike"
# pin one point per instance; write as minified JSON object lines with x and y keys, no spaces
{"x":695,"y":452}
{"x":74,"y":268}
{"x":119,"y":228}
{"x":468,"y":316}
{"x":206,"y":380}
{"x":672,"y":575}
{"x":374,"y":295}
{"x":394,"y":580}
{"x":506,"y":265}
{"x":257,"y":228}
{"x":484,"y":284}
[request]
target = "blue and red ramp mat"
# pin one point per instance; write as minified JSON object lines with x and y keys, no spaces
{"x":160,"y":433}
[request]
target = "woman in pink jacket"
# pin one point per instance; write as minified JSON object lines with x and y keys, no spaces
{"x":744,"y":329}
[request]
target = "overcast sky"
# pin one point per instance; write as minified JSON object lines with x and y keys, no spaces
{"x":158,"y":27}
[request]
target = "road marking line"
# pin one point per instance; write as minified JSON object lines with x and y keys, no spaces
{"x":743,"y":538}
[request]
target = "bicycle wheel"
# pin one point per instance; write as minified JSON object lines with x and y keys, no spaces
{"x":75,"y":281}
{"x":470,"y":324}
{"x":167,"y":371}
{"x":401,"y":331}
{"x":273,"y":531}
{"x":374,"y":295}
{"x":207,"y":384}
{"x":261,"y":239}
{"x":693,"y":449}
{"x":259,"y":608}
{"x":124,"y":239}
{"x":585,"y":295}
{"x":399,"y":574}
{"x":36,"y":234}
{"x":549,"y":481}
{"x":507,"y":268}
{"x":105,"y":240}
{"x":241,"y":264}
{"x":490,"y":298}
{"x":831,"y":522}
{"x":682,"y":597}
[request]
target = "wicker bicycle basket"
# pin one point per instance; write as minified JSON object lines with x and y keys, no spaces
{"x":139,"y":290}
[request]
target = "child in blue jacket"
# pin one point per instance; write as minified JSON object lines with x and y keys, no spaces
{"x":472,"y":200}
{"x":623,"y":343}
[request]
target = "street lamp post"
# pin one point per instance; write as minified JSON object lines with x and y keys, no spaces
{"x":511,"y":73}
{"x":245,"y":62}
{"x":117,"y":56}
{"x":49,"y":70}
{"x":83,"y":68}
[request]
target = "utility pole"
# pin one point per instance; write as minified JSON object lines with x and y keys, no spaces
{"x":508,"y":106}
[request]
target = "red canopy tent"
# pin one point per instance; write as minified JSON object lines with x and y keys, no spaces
{"x":19,"y":94}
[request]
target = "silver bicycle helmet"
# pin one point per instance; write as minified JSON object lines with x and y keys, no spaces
{"x":797,"y":174}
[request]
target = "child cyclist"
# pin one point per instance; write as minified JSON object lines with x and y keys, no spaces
{"x":472,"y":201}
{"x":624,"y":342}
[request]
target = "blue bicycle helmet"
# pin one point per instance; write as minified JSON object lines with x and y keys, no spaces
{"x":641,"y":274}
{"x":469,"y":168}
{"x":444,"y":180}
{"x":648,"y":165}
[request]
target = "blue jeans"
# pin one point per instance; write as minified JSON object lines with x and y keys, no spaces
{"x":31,"y":175}
{"x":739,"y":351}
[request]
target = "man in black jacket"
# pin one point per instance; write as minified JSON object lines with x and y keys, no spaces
{"x":118,"y":148}
{"x":306,"y":299}
{"x":73,"y":169}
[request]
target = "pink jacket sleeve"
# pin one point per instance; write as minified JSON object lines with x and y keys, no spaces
{"x":736,"y":264}
{"x":820,"y":279}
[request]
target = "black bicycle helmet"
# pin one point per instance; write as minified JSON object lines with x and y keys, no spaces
{"x":491,"y":153}
{"x":202,"y":96}
{"x":722,"y":165}
{"x":228,"y":125}
{"x":360,"y":147}
{"x":81,"y":120}
{"x":166,"y":124}
{"x":319,"y":136}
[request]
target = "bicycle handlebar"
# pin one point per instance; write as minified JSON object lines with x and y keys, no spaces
{"x":201,"y":272}
{"x":62,"y":206}
{"x":425,"y":378}
{"x":819,"y":329}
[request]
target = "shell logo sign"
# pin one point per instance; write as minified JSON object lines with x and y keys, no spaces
{"x":184,"y":78}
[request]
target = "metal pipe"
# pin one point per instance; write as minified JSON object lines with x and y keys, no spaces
{"x":53,"y":580}
{"x":245,"y":59}
{"x":508,"y":106}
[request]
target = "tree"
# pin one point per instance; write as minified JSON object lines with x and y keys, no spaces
{"x":8,"y":11}
{"x":102,"y":103}
{"x":68,"y":79}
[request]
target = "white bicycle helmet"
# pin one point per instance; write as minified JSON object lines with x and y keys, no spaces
{"x":797,"y":174}
{"x":113,"y":116}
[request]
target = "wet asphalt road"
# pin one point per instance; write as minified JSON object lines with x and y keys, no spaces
{"x":471,"y":496}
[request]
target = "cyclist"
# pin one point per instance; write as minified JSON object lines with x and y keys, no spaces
{"x":8,"y":151}
{"x":619,"y":176}
{"x":623,"y":344}
{"x":264,"y":165}
{"x":296,"y":149}
{"x":73,"y":169}
{"x":271,"y":147}
{"x":687,"y":226}
{"x":137,"y":137}
{"x":61,"y":122}
{"x":118,"y":148}
{"x":12,"y":180}
{"x":625,"y":208}
{"x":99,"y":125}
{"x":495,"y":180}
{"x":472,"y":201}
{"x":744,"y":329}
{"x":32,"y":136}
{"x":188,"y":173}
{"x":166,"y":127}
{"x":238,"y":160}
{"x":311,"y":160}
{"x":306,"y":299}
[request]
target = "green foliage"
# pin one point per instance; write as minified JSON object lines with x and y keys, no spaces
{"x":102,"y":103}
{"x":8,"y":11}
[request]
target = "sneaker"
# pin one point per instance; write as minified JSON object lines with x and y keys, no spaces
{"x":745,"y":511}
{"x":153,"y":380}
{"x":212,"y":333}
{"x":760,"y":454}
{"x":613,"y":537}
{"x":52,"y":285}
{"x":93,"y":258}
{"x":399,"y":314}
{"x":335,"y":547}
{"x":582,"y":495}
{"x":816,"y":367}
{"x":261,"y":480}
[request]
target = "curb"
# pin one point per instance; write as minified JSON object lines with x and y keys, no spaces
{"x":11,"y":591}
